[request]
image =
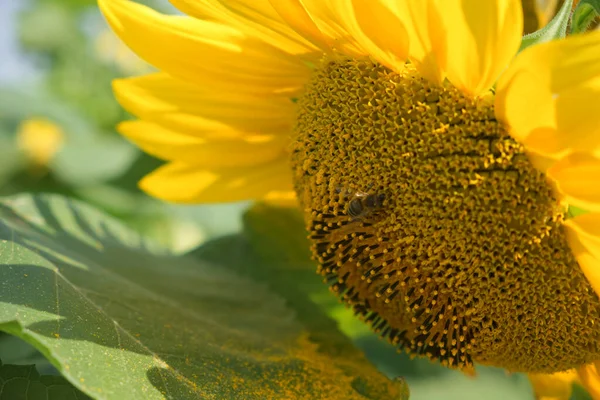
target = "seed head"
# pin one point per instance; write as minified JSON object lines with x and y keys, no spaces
{"x":465,"y":260}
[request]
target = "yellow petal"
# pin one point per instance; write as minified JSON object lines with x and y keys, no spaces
{"x":525,"y":103}
{"x":320,"y":22}
{"x":480,"y":39}
{"x":282,"y":199}
{"x":206,"y":153}
{"x":553,"y":386}
{"x":590,"y":380}
{"x":423,"y":25}
{"x":541,"y":162}
{"x":583,"y":235}
{"x":203,"y":52}
{"x":377,"y":29}
{"x":587,"y":228}
{"x":296,"y":16}
{"x":576,"y":124}
{"x":556,"y":87}
{"x":577,"y":178}
{"x":258,"y":18}
{"x":195,"y":110}
{"x":182,"y":183}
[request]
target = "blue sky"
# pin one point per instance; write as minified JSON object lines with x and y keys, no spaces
{"x":13,"y":66}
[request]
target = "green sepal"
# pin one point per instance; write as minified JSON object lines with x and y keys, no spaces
{"x":573,"y":211}
{"x":556,"y":29}
{"x":584,"y":15}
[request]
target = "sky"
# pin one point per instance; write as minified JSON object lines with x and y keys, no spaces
{"x":13,"y":66}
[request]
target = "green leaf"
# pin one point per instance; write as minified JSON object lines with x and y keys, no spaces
{"x":24,"y":382}
{"x":489,"y":384}
{"x":584,"y":15}
{"x":122,"y":318}
{"x":279,"y":236}
{"x":17,"y":351}
{"x":11,"y":159}
{"x":274,"y":249}
{"x":579,"y":393}
{"x":555,"y":29}
{"x":58,"y":22}
{"x":275,"y":240}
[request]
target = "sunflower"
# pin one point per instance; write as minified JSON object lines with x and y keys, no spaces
{"x":437,"y":169}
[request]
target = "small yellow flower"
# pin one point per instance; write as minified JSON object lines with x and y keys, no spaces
{"x":436,"y":192}
{"x":39,"y":139}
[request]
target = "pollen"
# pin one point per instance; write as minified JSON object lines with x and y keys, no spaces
{"x":462,"y":257}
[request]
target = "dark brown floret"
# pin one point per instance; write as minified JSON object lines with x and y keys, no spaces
{"x":465,"y":260}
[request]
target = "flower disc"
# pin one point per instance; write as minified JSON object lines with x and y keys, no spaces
{"x":465,"y":258}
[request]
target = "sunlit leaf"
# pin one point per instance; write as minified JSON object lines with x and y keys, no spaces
{"x":122,"y":318}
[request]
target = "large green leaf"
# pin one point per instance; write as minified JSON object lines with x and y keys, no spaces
{"x":274,"y":249}
{"x":24,"y":382}
{"x":123,"y":319}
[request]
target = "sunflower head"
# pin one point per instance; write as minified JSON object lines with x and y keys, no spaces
{"x":469,"y":233}
{"x":433,"y":164}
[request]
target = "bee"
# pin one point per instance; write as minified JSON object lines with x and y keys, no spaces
{"x":363,"y":204}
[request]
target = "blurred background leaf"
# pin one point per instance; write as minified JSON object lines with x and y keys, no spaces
{"x":62,"y":60}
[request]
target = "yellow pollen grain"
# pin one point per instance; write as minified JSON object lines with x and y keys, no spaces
{"x":466,"y":253}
